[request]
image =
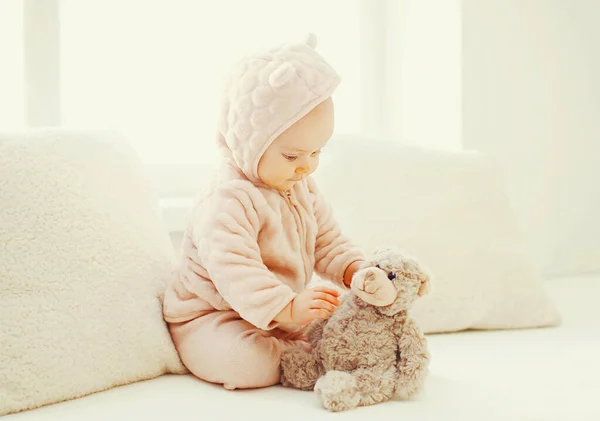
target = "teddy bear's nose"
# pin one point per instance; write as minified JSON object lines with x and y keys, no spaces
{"x":370,"y":276}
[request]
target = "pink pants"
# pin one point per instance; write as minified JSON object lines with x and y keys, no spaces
{"x":222,"y":348}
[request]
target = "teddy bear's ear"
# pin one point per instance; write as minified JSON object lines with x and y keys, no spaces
{"x":425,"y":285}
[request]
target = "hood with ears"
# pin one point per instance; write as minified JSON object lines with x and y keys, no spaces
{"x":266,"y":94}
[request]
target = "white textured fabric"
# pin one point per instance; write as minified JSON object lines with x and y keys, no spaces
{"x":519,"y":375}
{"x":83,"y":260}
{"x":267,"y":92}
{"x":449,"y":210}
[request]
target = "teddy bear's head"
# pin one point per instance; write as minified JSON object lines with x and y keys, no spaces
{"x":391,"y":281}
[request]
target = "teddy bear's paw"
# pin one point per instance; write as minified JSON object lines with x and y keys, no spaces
{"x":406,"y":389}
{"x":299,"y":369}
{"x":338,"y":391}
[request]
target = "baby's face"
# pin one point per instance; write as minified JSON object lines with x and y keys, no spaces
{"x":294,"y":155}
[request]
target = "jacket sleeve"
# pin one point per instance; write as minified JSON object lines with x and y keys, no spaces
{"x":333,"y":251}
{"x":225,"y":234}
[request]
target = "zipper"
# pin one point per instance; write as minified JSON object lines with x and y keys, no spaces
{"x":291,"y":199}
{"x":293,"y":204}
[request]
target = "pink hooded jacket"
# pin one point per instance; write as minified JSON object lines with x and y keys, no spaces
{"x":247,"y":247}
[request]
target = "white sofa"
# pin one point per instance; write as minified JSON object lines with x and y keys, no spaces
{"x":537,"y":374}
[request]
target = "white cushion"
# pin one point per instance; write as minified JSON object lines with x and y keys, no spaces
{"x":450,"y":211}
{"x":83,"y":259}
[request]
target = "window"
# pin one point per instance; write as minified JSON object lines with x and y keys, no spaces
{"x":12,"y":107}
{"x":153,"y":69}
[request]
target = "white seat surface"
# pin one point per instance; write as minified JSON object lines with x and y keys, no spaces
{"x":534,"y":374}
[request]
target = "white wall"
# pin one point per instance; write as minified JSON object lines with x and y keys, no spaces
{"x":531,"y":97}
{"x":423,"y":77}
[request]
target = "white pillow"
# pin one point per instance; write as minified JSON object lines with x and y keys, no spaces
{"x":83,"y":261}
{"x":450,"y":211}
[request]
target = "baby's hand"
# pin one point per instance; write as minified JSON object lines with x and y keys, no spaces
{"x":315,"y":303}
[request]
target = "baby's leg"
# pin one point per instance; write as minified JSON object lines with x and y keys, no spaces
{"x":222,"y":348}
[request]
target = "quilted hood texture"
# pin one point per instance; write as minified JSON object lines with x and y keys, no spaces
{"x":267,"y":93}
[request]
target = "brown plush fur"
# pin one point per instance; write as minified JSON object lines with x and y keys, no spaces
{"x":366,"y":353}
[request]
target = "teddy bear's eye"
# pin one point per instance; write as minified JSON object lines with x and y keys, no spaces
{"x":391,"y":276}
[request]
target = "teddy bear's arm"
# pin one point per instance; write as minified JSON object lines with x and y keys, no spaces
{"x":413,"y":360}
{"x":314,"y":331}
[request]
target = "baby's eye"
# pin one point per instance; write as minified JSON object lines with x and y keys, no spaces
{"x":378,"y":267}
{"x":391,"y":276}
{"x":290,"y":157}
{"x":315,"y":153}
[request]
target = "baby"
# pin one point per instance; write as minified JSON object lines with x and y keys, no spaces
{"x":263,"y":228}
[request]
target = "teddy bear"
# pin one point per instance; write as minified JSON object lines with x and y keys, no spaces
{"x":369,"y":350}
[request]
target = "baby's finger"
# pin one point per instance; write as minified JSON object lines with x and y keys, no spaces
{"x":327,"y":290}
{"x":320,"y":304}
{"x":319,"y":314}
{"x":326,"y":297}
